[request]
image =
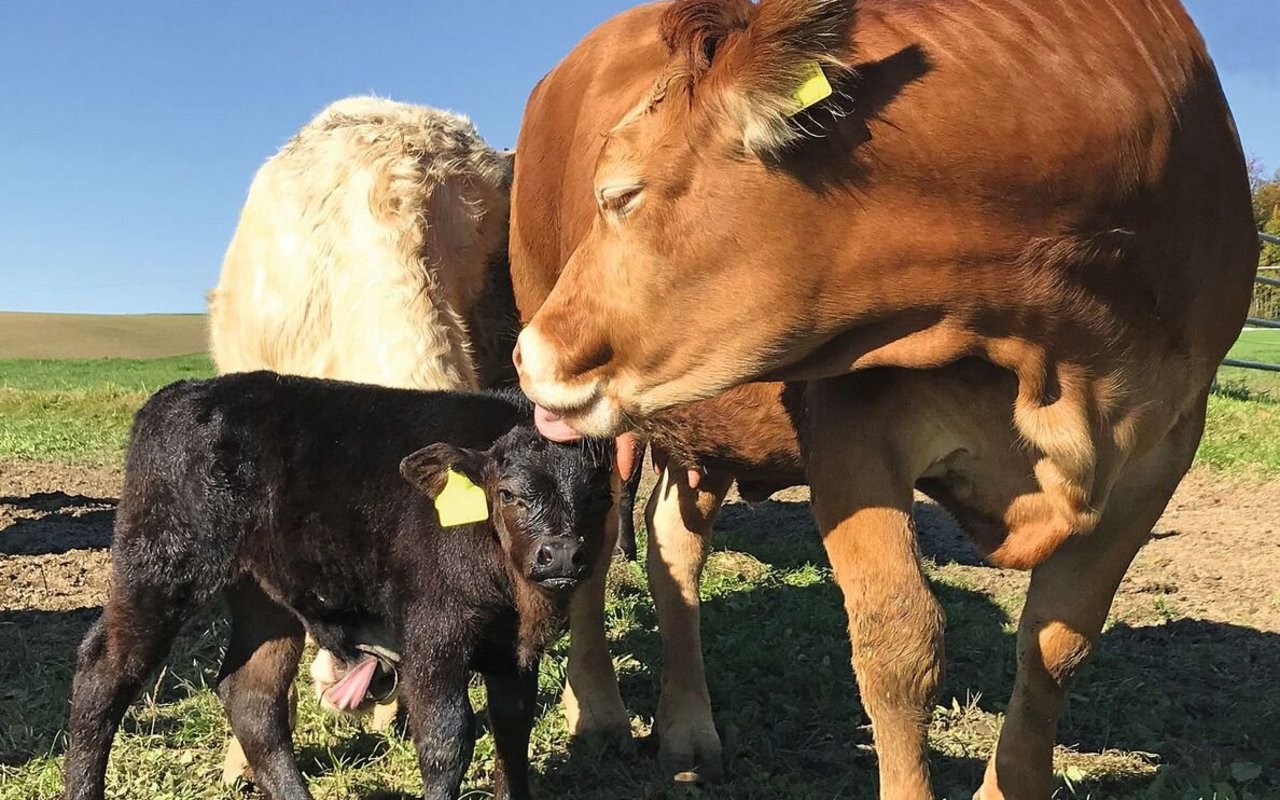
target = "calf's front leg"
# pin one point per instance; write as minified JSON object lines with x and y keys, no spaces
{"x":433,"y":689}
{"x":513,"y":701}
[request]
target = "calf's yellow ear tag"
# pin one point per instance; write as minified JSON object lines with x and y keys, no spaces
{"x":813,"y":89}
{"x":461,"y":502}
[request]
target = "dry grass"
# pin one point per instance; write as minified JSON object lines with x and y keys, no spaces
{"x":27,"y":335}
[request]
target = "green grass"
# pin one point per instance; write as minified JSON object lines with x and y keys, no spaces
{"x":1201,"y":701}
{"x":788,"y":710}
{"x":1242,"y":435}
{"x":80,"y":411}
{"x":1255,"y":345}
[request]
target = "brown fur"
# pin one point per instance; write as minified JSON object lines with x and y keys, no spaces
{"x":1004,"y":276}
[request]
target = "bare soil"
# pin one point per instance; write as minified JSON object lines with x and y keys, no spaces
{"x":1192,"y":652}
{"x":1215,"y":554}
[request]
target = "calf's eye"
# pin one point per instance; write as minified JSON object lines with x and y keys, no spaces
{"x":506,"y":497}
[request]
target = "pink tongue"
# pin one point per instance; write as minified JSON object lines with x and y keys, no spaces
{"x":347,"y":694}
{"x":553,"y":426}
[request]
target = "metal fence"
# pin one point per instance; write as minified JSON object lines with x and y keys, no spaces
{"x":1264,"y":312}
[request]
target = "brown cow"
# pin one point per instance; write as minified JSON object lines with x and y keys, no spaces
{"x":1032,"y":217}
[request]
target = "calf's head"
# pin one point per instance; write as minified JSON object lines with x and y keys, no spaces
{"x":547,"y":502}
{"x":701,"y":268}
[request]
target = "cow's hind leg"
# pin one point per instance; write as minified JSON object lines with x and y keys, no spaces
{"x":679,"y":519}
{"x":862,"y":497}
{"x":593,"y":705}
{"x":1067,"y":604}
{"x":255,"y":686}
{"x":124,"y":646}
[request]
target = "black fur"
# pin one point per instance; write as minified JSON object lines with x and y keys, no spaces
{"x":287,"y":495}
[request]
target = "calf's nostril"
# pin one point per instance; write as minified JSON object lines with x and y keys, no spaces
{"x":515,"y":357}
{"x":545,"y":555}
{"x":579,"y":558}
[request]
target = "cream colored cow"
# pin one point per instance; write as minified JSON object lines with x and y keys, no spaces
{"x":371,"y":248}
{"x":363,"y":249}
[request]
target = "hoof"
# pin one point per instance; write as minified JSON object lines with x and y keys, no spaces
{"x":384,"y":716}
{"x":235,"y":767}
{"x":604,"y":719}
{"x":615,"y":737}
{"x":691,"y":756}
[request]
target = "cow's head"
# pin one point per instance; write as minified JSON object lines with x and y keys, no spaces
{"x":700,"y":268}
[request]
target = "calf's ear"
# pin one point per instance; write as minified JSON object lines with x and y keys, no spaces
{"x":429,"y":467}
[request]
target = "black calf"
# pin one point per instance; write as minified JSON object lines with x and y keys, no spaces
{"x":294,"y":498}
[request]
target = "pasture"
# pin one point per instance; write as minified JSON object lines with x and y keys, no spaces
{"x":30,"y":335}
{"x":1182,"y":701}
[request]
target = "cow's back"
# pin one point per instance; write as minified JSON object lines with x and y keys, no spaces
{"x":364,"y":250}
{"x":1073,"y":164}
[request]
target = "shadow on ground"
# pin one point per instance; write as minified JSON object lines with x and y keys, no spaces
{"x":67,"y":522}
{"x":1198,"y":696}
{"x":1160,"y":711}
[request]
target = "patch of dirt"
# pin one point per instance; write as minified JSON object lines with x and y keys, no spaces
{"x":55,"y":527}
{"x":1214,"y":555}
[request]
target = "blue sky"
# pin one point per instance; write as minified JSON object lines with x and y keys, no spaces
{"x":131,"y":130}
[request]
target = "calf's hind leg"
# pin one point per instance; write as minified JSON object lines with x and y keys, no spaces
{"x":255,"y":686}
{"x":124,"y":646}
{"x":1067,"y":604}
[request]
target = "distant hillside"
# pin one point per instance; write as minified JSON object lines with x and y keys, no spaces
{"x":26,"y":335}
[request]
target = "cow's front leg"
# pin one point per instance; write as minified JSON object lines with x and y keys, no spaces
{"x":862,"y":497}
{"x":433,"y":689}
{"x":592,"y":703}
{"x":680,"y":519}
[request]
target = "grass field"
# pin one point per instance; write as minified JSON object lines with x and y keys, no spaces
{"x":1172,"y":707}
{"x":80,"y":411}
{"x":1261,"y":345}
{"x":27,"y":335}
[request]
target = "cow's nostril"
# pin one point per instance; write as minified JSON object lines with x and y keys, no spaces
{"x":545,"y":555}
{"x":515,"y":356}
{"x":579,"y":558}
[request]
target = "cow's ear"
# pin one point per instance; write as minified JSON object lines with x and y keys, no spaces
{"x":695,"y":32}
{"x":428,"y":468}
{"x":792,"y":57}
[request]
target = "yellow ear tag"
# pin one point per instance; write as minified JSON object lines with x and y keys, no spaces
{"x":461,"y":502}
{"x":814,"y":89}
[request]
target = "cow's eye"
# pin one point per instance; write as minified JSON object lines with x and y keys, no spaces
{"x":619,"y":199}
{"x":506,"y":497}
